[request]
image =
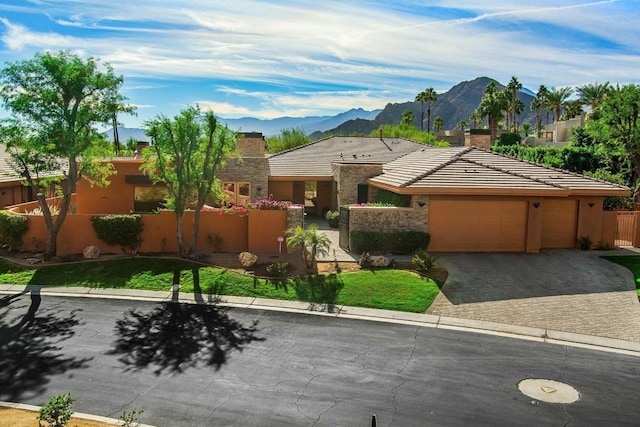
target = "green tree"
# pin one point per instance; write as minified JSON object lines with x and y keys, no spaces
{"x":288,"y":139}
{"x":187,"y":152}
{"x":438,"y":123}
{"x":462,"y":124}
{"x":411,"y":133}
{"x":309,"y":241}
{"x":557,"y":99}
{"x":526,"y":127}
{"x":421,"y":98}
{"x":430,"y":96}
{"x":56,"y":100}
{"x":492,"y":105}
{"x":515,"y":107}
{"x":618,"y":122}
{"x":592,"y":94}
{"x":407,"y":118}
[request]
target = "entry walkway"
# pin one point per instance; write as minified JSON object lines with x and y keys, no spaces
{"x":336,"y":253}
{"x":565,"y":290}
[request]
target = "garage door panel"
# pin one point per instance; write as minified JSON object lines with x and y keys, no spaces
{"x":480,"y":225}
{"x":559,"y":223}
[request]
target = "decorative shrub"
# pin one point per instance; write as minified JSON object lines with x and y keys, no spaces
{"x":399,"y":242}
{"x":333,"y":218}
{"x":122,"y":230}
{"x":278,"y":269}
{"x":423,"y":262}
{"x":388,"y":198}
{"x":12,"y":228}
{"x":506,"y":139}
{"x":270,"y":204}
{"x":57,"y":412}
{"x":585,"y":243}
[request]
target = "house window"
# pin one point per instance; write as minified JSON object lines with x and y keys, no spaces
{"x":147,"y":199}
{"x":236,"y":192}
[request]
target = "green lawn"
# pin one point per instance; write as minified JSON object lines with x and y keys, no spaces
{"x":632,"y":262}
{"x":386,"y":289}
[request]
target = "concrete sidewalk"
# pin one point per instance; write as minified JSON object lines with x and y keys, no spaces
{"x":417,"y":319}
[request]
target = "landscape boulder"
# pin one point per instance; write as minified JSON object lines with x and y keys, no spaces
{"x":247,"y":259}
{"x":380,"y":261}
{"x":91,"y":252}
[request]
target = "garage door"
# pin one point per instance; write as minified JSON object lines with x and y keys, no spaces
{"x":559,"y":223}
{"x":477,"y":224}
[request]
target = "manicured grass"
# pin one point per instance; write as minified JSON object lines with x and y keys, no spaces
{"x":632,"y":262}
{"x":386,"y":289}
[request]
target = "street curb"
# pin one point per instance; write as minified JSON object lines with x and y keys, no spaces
{"x":33,"y":408}
{"x":549,"y":336}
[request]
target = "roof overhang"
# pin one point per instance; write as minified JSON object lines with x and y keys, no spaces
{"x":301,"y":178}
{"x":476,"y":191}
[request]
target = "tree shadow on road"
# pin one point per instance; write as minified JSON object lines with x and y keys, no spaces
{"x":31,"y":344}
{"x":175,"y":336}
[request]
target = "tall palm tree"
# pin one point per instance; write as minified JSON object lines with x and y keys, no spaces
{"x":592,"y":94}
{"x":438,"y":123}
{"x":462,"y":124}
{"x":492,"y":106}
{"x":407,"y":118}
{"x":542,"y":96}
{"x":513,"y":88}
{"x":430,"y":96}
{"x":557,"y":99}
{"x":476,"y":117}
{"x":421,"y":98}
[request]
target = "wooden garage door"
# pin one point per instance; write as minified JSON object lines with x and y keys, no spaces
{"x":559,"y":223}
{"x":477,"y":224}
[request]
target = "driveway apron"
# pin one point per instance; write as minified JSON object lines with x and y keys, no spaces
{"x":563,"y":289}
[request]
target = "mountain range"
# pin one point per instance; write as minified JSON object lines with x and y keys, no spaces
{"x":457,"y":104}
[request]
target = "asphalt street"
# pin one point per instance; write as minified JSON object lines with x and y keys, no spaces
{"x":194,"y":365}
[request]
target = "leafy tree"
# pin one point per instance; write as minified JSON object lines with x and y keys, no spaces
{"x":188,"y":150}
{"x":592,"y":94}
{"x":309,"y":241}
{"x":56,"y":100}
{"x":288,"y":139}
{"x":618,"y":122}
{"x":462,"y":124}
{"x":438,"y":123}
{"x":557,"y":99}
{"x":407,"y":118}
{"x":492,"y":105}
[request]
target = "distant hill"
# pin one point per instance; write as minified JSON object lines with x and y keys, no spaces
{"x":267,"y":127}
{"x":458,"y":103}
{"x":308,"y":124}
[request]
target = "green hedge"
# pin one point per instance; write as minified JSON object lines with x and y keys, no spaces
{"x":122,"y":230}
{"x":12,"y":228}
{"x":400,"y":242}
{"x":389,"y":198}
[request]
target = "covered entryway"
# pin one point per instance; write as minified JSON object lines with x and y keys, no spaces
{"x":477,"y":224}
{"x":559,"y":223}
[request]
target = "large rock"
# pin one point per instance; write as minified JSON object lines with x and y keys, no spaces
{"x":247,"y":259}
{"x":379,"y":260}
{"x":91,"y":252}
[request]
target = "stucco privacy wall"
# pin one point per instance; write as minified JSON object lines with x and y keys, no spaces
{"x":387,"y":219}
{"x":348,"y":176}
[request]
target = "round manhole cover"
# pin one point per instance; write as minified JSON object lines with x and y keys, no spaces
{"x":548,"y":390}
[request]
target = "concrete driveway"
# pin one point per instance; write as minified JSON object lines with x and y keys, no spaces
{"x":565,"y":290}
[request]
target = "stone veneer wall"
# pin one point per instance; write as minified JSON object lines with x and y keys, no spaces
{"x":295,"y":217}
{"x":251,"y":144}
{"x":252,"y":169}
{"x":478,"y":140}
{"x":387,"y":219}
{"x":348,"y":176}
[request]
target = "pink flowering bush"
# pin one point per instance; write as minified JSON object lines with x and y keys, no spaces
{"x":270,"y":204}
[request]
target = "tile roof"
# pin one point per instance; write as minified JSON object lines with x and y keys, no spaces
{"x":458,"y":169}
{"x":7,"y":174}
{"x":315,"y":159}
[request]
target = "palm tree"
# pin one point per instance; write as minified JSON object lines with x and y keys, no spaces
{"x":542,"y":97}
{"x":407,"y":118}
{"x":438,"y":123}
{"x":513,"y":88}
{"x":592,"y":94}
{"x":526,"y":127}
{"x":310,"y":242}
{"x":557,"y":99}
{"x":492,"y":106}
{"x":430,"y":96}
{"x":476,"y":117}
{"x":462,"y":124}
{"x":421,"y":98}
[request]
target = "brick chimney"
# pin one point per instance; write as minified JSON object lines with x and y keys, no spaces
{"x":250,"y":144}
{"x":480,"y":138}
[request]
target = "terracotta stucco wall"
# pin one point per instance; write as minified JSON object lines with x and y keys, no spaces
{"x":265,"y":227}
{"x":609,"y":226}
{"x":281,"y":190}
{"x":117,"y":197}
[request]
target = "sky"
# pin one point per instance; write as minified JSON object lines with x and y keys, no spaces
{"x":314,"y":58}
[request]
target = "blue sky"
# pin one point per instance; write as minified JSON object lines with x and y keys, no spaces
{"x":301,"y":58}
